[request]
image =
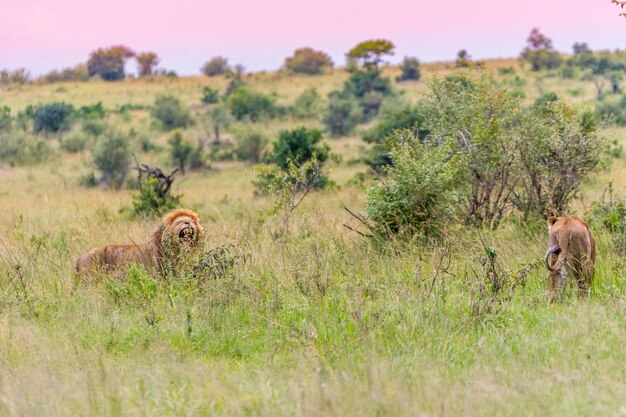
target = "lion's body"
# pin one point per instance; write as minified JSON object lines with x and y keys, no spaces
{"x":182,"y":227}
{"x":574,"y":246}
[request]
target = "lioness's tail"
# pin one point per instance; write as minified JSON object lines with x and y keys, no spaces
{"x":560,"y":250}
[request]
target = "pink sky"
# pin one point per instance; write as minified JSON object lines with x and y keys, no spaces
{"x":45,"y":34}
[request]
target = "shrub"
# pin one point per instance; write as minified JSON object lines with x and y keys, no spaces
{"x":299,"y":146}
{"x":78,"y":73}
{"x":112,"y":158}
{"x":549,"y":97}
{"x":418,"y":192}
{"x":19,"y":148}
{"x":250,"y":144}
{"x":210,"y":95}
{"x":401,"y":117}
{"x":342,"y":115}
{"x":198,"y":158}
{"x":52,"y":118}
{"x":94,"y":127}
{"x":75,"y":142}
{"x":308,"y":104}
{"x":170,"y":112}
{"x":611,"y":110}
{"x":558,"y":148}
{"x":485,"y":155}
{"x":92,"y":111}
{"x":308,"y":61}
{"x":410,"y":68}
{"x":506,"y":70}
{"x":236,"y":79}
{"x":217,"y":65}
{"x":543,"y":59}
{"x":391,"y":119}
{"x":244,"y":103}
{"x":155,"y":192}
{"x":5,"y":118}
{"x":180,"y":150}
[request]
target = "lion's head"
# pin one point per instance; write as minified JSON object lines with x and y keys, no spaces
{"x":182,"y":226}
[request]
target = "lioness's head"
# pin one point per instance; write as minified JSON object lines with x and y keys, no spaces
{"x":183,"y":225}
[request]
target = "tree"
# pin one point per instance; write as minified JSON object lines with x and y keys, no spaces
{"x":219,"y":119}
{"x":537,"y":40}
{"x":621,"y":4}
{"x":217,"y":65}
{"x":410,"y":68}
{"x":308,"y":61}
{"x":146,"y":63}
{"x":539,"y":52}
{"x":109,"y":63}
{"x":370,"y":53}
{"x":581,"y":48}
{"x":463,"y":59}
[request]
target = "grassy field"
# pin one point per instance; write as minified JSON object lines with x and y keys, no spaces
{"x":321,"y":322}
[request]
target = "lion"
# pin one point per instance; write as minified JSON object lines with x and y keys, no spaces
{"x":574,"y":247}
{"x":180,"y":232}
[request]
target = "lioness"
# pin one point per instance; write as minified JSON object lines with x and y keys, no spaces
{"x":574,"y":247}
{"x":179,"y":231}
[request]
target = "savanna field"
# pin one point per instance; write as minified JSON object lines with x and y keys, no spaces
{"x":303,"y":316}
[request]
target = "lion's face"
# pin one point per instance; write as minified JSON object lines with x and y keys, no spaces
{"x":185,"y":229}
{"x":184,"y":226}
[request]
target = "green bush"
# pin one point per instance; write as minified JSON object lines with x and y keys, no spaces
{"x":170,"y":112}
{"x":612,"y":110}
{"x":308,"y":104}
{"x":393,"y":118}
{"x":198,"y":157}
{"x":180,"y":150}
{"x":112,"y":158}
{"x":410,"y":68}
{"x":94,"y":127}
{"x":19,"y":148}
{"x":542,"y":59}
{"x":52,"y":118}
{"x":91,"y":111}
{"x":150,"y":201}
{"x":5,"y":118}
{"x":418,"y":193}
{"x":488,"y":151}
{"x":250,"y":144}
{"x":210,"y":95}
{"x":400,"y":117}
{"x":75,"y":142}
{"x":244,"y":103}
{"x":298,"y":145}
{"x":342,"y":115}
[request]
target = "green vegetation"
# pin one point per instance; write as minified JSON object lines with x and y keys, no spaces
{"x":299,"y":307}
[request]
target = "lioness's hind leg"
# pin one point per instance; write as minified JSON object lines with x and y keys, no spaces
{"x":557,"y":284}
